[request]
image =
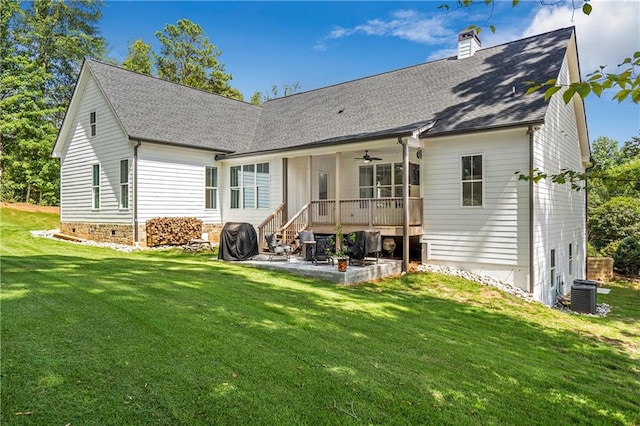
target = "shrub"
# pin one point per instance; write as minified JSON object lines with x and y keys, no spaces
{"x":610,"y":249}
{"x":627,"y":258}
{"x":592,"y":251}
{"x":614,"y":220}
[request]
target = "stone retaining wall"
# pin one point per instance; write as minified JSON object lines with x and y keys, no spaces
{"x":103,"y":232}
{"x":600,"y":268}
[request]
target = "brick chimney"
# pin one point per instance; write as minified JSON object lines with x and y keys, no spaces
{"x":468,"y":43}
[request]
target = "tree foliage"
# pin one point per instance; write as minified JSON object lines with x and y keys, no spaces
{"x":259,"y":98}
{"x":139,"y":58}
{"x":614,"y":220}
{"x":43,"y":44}
{"x":626,"y":259}
{"x":188,"y":57}
{"x":624,"y":84}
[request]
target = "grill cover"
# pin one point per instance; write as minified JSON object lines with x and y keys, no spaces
{"x":238,"y":241}
{"x":363,"y":243}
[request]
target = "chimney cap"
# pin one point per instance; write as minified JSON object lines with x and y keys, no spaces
{"x":467,"y":34}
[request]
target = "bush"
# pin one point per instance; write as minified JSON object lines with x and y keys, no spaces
{"x":627,"y":258}
{"x":610,"y":249}
{"x":614,"y":220}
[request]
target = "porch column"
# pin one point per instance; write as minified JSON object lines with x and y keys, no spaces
{"x":310,"y":215}
{"x":337,"y":187}
{"x":405,"y":204}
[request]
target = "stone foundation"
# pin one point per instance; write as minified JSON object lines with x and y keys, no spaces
{"x":600,"y":268}
{"x":214,"y":230}
{"x":103,"y":232}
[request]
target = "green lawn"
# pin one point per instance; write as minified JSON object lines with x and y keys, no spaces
{"x":96,"y":336}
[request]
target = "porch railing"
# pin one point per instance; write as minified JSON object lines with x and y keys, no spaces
{"x":370,"y":212}
{"x":365,"y":212}
{"x":296,"y":224}
{"x":271,"y":224}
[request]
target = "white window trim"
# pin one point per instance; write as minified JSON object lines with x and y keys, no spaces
{"x":553,"y":267}
{"x":123,"y":184}
{"x":216,"y":201}
{"x":376,"y":188}
{"x":571,"y":253}
{"x":93,"y":127}
{"x":254,"y":186}
{"x":471,"y":180}
{"x":94,"y":187}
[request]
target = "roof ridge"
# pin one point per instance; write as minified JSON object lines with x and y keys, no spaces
{"x":120,"y":68}
{"x":416,"y":65}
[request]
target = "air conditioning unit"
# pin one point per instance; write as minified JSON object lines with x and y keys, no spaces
{"x":583,"y":298}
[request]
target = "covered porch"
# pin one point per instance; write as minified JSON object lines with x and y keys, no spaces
{"x":361,"y":186}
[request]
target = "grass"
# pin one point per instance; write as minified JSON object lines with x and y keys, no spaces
{"x":95,"y":336}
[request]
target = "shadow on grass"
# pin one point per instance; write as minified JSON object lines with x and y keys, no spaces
{"x":180,"y":339}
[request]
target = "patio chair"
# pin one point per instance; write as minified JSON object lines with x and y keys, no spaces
{"x":277,"y":249}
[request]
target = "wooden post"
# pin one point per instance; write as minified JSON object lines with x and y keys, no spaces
{"x":405,"y":205}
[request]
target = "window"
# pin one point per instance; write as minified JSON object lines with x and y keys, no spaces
{"x":366,"y":181}
{"x":92,"y":123}
{"x":570,"y":259}
{"x":387,"y":183}
{"x":96,"y":187}
{"x":210,"y":187}
{"x":262,"y":185}
{"x":124,"y":184}
{"x":472,"y":180}
{"x":552,"y":268}
{"x":235,"y":186}
{"x":250,"y":186}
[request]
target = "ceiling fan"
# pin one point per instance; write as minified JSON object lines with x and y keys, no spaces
{"x":367,"y":158}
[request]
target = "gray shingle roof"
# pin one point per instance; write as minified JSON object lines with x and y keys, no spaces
{"x":153,"y":109}
{"x":463,"y":95}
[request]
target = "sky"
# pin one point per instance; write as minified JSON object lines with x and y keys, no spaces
{"x":316,"y":44}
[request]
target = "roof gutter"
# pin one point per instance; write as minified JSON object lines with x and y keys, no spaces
{"x":391,"y":135}
{"x":176,"y":144}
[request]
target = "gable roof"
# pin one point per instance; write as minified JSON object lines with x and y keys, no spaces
{"x":461,"y":94}
{"x":157,"y":110}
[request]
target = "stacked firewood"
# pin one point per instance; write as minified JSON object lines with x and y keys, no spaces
{"x":172,"y":231}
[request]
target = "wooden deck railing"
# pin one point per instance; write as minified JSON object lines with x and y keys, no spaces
{"x":370,"y":212}
{"x":296,"y":224}
{"x":271,"y":224}
{"x":365,"y":212}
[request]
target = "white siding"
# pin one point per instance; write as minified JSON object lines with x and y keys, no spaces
{"x":492,"y":239}
{"x":107,"y":148}
{"x":254,"y":216}
{"x":559,"y":213}
{"x":171,"y":183}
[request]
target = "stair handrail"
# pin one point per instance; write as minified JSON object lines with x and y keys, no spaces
{"x":275,"y":216}
{"x":284,"y":229}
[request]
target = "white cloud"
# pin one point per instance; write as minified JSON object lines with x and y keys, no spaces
{"x":605,"y":37}
{"x":405,"y":24}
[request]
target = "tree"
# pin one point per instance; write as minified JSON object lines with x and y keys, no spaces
{"x":139,"y":58}
{"x":626,"y":259}
{"x":58,"y":35}
{"x":614,"y":220}
{"x":287,"y":89}
{"x":188,"y":57}
{"x":26,"y":129}
{"x":42,"y":46}
{"x":626,"y":83}
{"x":631,"y":149}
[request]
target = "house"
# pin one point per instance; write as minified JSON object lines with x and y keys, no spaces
{"x":442,"y":138}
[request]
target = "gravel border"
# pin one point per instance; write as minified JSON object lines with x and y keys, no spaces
{"x":602,"y":309}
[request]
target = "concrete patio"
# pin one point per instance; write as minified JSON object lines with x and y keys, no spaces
{"x":296,"y":265}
